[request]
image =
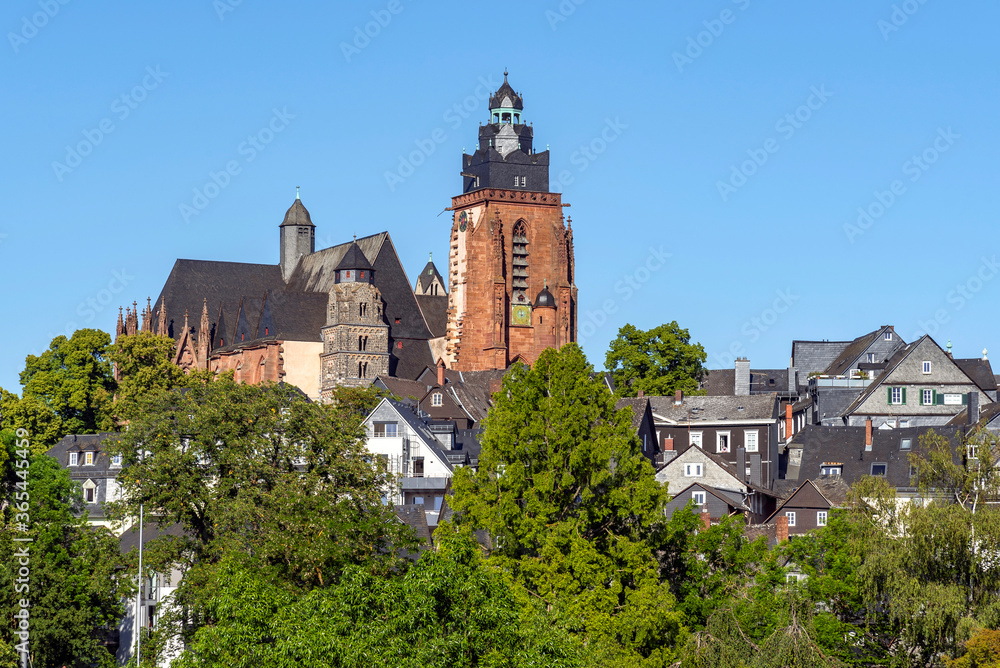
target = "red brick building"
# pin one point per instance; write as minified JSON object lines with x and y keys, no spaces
{"x":511,"y":286}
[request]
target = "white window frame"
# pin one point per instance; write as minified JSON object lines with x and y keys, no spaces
{"x":821,"y":518}
{"x":699,"y":498}
{"x":693,"y":470}
{"x":906,"y":444}
{"x":897,"y":396}
{"x":748,"y":436}
{"x":972,"y":451}
{"x":696,"y":438}
{"x":926,"y":366}
{"x":88,"y":459}
{"x":74,"y":459}
{"x":829,"y":470}
{"x":870,"y":358}
{"x":718,"y":442}
{"x":116,"y":460}
{"x":437,"y":399}
{"x":927,"y":397}
{"x":790,"y":514}
{"x":385,"y":425}
{"x":887,"y":336}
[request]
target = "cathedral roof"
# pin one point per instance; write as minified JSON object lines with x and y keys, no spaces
{"x":354,"y":258}
{"x":506,"y":91}
{"x":297,"y":215}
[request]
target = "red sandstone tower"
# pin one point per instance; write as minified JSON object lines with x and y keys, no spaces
{"x":512,"y":292}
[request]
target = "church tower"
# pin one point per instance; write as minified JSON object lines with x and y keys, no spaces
{"x":298,"y":236}
{"x":511,"y":285}
{"x":356,"y":336}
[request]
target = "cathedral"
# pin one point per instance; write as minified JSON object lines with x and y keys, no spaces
{"x":346,"y":315}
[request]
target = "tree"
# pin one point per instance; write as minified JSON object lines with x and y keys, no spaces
{"x":259,"y":470}
{"x":75,"y":588}
{"x":449,"y":609}
{"x":569,"y":501}
{"x":658,"y":361}
{"x":145,"y":364}
{"x":73,"y":379}
{"x":34,"y":416}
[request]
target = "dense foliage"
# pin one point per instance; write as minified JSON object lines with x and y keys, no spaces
{"x":658,"y":361}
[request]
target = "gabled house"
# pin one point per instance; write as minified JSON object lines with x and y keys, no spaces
{"x":717,"y":503}
{"x":422,"y":454}
{"x":742,"y":430}
{"x":851,"y":453}
{"x":695,"y":466}
{"x":92,"y":468}
{"x":920,"y":386}
{"x":810,"y":504}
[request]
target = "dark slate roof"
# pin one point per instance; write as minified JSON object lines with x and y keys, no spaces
{"x":414,"y":517}
{"x":845,"y":446}
{"x":852,"y":352}
{"x":191,"y":282}
{"x":297,"y":215}
{"x":768,"y":532}
{"x":638,"y":407}
{"x":435,"y":311}
{"x":101,"y":467}
{"x":980,"y":371}
{"x":427,"y":276}
{"x":474,"y":390}
{"x":505,"y":90}
{"x":703,"y":409}
{"x":353,"y":259}
{"x":987,"y":414}
{"x":545,"y":299}
{"x":150,"y":530}
{"x":833,"y":488}
{"x":285,"y":316}
{"x":815,"y":356}
{"x":722,"y":382}
{"x":315,"y":273}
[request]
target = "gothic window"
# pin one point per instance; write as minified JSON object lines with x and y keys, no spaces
{"x":519,"y":275}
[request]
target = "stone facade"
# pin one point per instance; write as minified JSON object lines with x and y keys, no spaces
{"x":355,"y":338}
{"x":506,"y":247}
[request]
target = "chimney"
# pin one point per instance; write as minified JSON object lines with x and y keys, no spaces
{"x":678,"y":397}
{"x":706,"y":521}
{"x":788,"y":422}
{"x":741,"y":464}
{"x":781,"y":532}
{"x":668,"y":444}
{"x":973,"y":408}
{"x":868,"y":434}
{"x":793,"y":380}
{"x":741,"y":387}
{"x":440,"y":369}
{"x":641,"y":394}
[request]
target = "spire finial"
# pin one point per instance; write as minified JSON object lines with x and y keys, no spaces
{"x":430,"y":257}
{"x":355,"y":238}
{"x":505,"y":75}
{"x":297,"y":193}
{"x":985,"y":354}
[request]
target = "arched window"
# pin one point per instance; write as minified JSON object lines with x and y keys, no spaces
{"x":519,"y":275}
{"x":362,"y":369}
{"x":362,"y":309}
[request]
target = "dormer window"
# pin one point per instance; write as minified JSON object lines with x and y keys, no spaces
{"x":116,"y":460}
{"x":74,"y":458}
{"x":437,"y":399}
{"x":88,"y":459}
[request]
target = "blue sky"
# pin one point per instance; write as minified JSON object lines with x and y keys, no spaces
{"x":738,"y":137}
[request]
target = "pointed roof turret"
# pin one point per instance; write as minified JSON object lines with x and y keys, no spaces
{"x":354,"y":258}
{"x":506,"y":97}
{"x":427,"y":276}
{"x":161,"y":328}
{"x":297,"y":214}
{"x":120,"y":328}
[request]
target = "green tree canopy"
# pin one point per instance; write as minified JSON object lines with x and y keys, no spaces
{"x":72,"y":379}
{"x":75,"y":586}
{"x":255,"y":469}
{"x":658,"y":361}
{"x":570,"y":502}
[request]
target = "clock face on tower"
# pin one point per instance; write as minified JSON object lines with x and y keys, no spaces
{"x":463,"y":221}
{"x":520,"y":314}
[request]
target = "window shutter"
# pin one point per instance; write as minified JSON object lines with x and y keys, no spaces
{"x":939,"y":397}
{"x":920,"y":393}
{"x":904,"y":396}
{"x":934,"y":396}
{"x":965,"y":399}
{"x":889,"y":398}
